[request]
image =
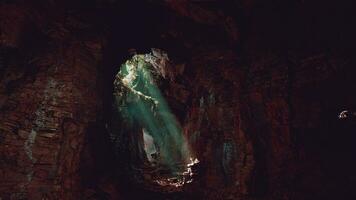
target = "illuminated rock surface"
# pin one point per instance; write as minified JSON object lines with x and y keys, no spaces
{"x":256,"y":88}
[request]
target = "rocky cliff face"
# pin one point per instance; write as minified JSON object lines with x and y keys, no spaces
{"x":257,"y":89}
{"x":49,"y":96}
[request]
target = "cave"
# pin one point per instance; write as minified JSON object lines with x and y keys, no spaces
{"x":177,"y":100}
{"x":159,"y":153}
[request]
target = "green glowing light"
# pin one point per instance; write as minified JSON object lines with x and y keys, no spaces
{"x":142,"y":101}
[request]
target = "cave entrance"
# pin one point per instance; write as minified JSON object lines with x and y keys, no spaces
{"x":158,"y":151}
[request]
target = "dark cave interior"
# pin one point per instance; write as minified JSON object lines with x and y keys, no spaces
{"x":255,"y":88}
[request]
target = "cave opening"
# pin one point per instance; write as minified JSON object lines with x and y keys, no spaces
{"x":147,"y":131}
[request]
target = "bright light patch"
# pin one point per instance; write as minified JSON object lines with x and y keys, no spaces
{"x":149,"y":146}
{"x":141,"y":100}
{"x":343,"y":114}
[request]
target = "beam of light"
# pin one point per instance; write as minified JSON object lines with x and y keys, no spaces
{"x":144,"y":103}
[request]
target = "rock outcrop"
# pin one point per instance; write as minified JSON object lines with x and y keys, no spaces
{"x":256,"y":87}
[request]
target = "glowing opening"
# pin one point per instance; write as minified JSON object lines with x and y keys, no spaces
{"x":140,"y":101}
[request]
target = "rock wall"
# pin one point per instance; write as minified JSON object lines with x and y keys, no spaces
{"x":257,"y":97}
{"x":48,"y":99}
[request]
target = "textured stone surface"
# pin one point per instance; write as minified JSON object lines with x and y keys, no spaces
{"x":48,"y":100}
{"x":257,"y":88}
